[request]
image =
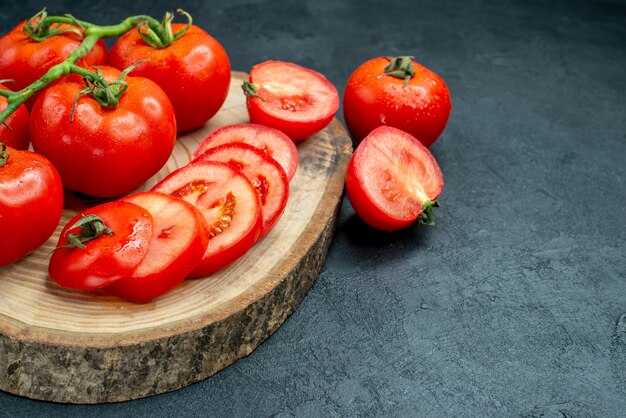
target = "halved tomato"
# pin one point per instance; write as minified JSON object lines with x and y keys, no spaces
{"x":265,"y":174}
{"x":101,"y":245}
{"x":229,"y":203}
{"x":179,"y":240}
{"x":298,"y":101}
{"x":393,"y":180}
{"x":269,"y":140}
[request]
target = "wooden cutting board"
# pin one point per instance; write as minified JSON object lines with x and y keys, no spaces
{"x":88,"y":347}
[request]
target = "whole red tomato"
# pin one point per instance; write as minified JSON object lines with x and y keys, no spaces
{"x":194,"y":71}
{"x":412,"y":98}
{"x":25,"y":60}
{"x":31,"y":201}
{"x":14,"y":130}
{"x":104,"y":152}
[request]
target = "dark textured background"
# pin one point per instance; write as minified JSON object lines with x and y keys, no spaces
{"x":513,"y":305}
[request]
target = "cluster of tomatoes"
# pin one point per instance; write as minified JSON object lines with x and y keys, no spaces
{"x":104,"y":139}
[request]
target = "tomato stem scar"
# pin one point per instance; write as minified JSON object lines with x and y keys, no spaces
{"x":91,"y":227}
{"x":400,"y":67}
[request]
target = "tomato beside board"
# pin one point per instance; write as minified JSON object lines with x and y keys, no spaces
{"x":31,"y":202}
{"x":393,"y":180}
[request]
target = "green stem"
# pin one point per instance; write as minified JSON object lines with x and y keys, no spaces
{"x":91,"y":227}
{"x":427,"y":217}
{"x":4,"y":154}
{"x":400,"y":67}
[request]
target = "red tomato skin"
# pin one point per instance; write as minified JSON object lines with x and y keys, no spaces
{"x":104,"y":152}
{"x":372,"y":99}
{"x":147,"y":282}
{"x":31,"y":202}
{"x":25,"y":61}
{"x":194,"y":71}
{"x":108,"y":257}
{"x":297,"y":130}
{"x":17,"y":137}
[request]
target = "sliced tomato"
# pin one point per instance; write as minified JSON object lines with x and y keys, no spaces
{"x":265,"y":174}
{"x":124,"y":233}
{"x":269,"y":140}
{"x":229,"y":203}
{"x":393,"y":180}
{"x":178,"y":242}
{"x":298,"y":101}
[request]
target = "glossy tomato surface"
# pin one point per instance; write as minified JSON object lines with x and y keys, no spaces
{"x":194,"y":71}
{"x":296,"y":100}
{"x":108,"y":257}
{"x":271,"y":141}
{"x":391,"y":177}
{"x":15,"y":133}
{"x":420,"y":107}
{"x":25,"y":60}
{"x":104,"y":152}
{"x":179,"y":240}
{"x":265,"y":174}
{"x":229,"y":203}
{"x":31,"y":202}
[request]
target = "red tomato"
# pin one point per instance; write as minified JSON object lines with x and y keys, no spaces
{"x":16,"y":135}
{"x":31,"y":202}
{"x":269,"y":140}
{"x":104,"y":152}
{"x":265,"y":174}
{"x":178,"y":242}
{"x":108,"y":257}
{"x":229,"y":203}
{"x":25,"y":61}
{"x":419,"y":106}
{"x":393,"y":180}
{"x":298,"y":101}
{"x":194,"y":71}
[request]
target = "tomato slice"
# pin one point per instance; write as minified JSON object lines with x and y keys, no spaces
{"x":107,"y":258}
{"x":271,"y":141}
{"x":298,"y":101}
{"x":392,"y":178}
{"x":265,"y":174}
{"x":229,"y":203}
{"x":178,"y":242}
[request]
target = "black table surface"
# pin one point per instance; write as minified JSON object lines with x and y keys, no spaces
{"x":514,"y":303}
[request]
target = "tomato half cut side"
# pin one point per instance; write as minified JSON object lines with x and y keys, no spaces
{"x":265,"y":174}
{"x":271,"y":141}
{"x":392,"y":178}
{"x":125,"y":232}
{"x":298,"y":101}
{"x":229,"y":203}
{"x":178,"y":242}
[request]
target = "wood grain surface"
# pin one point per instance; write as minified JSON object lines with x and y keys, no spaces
{"x":89,"y":347}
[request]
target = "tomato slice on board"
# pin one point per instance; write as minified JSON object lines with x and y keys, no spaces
{"x":298,"y":101}
{"x":269,"y":140}
{"x":114,"y":254}
{"x":265,"y":174}
{"x":178,"y":242}
{"x":229,"y":203}
{"x":392,"y":178}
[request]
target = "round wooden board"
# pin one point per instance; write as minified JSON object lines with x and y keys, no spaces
{"x":88,"y":347}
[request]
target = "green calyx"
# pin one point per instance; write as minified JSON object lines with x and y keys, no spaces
{"x":4,"y":154}
{"x":427,"y":217}
{"x":400,"y":67}
{"x":161,"y":35}
{"x":41,"y":27}
{"x":249,"y":90}
{"x":91,"y":227}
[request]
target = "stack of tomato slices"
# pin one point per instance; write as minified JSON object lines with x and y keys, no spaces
{"x":197,"y":220}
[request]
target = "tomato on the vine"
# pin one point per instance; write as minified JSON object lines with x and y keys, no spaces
{"x":14,"y":130}
{"x":194,"y":71}
{"x":31,"y":202}
{"x":396,"y":92}
{"x":104,"y":152}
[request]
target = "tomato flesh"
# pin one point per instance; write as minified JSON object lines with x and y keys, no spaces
{"x":265,"y":174}
{"x":271,"y":141}
{"x":229,"y":203}
{"x":390,"y":177}
{"x":107,"y":258}
{"x":296,"y":100}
